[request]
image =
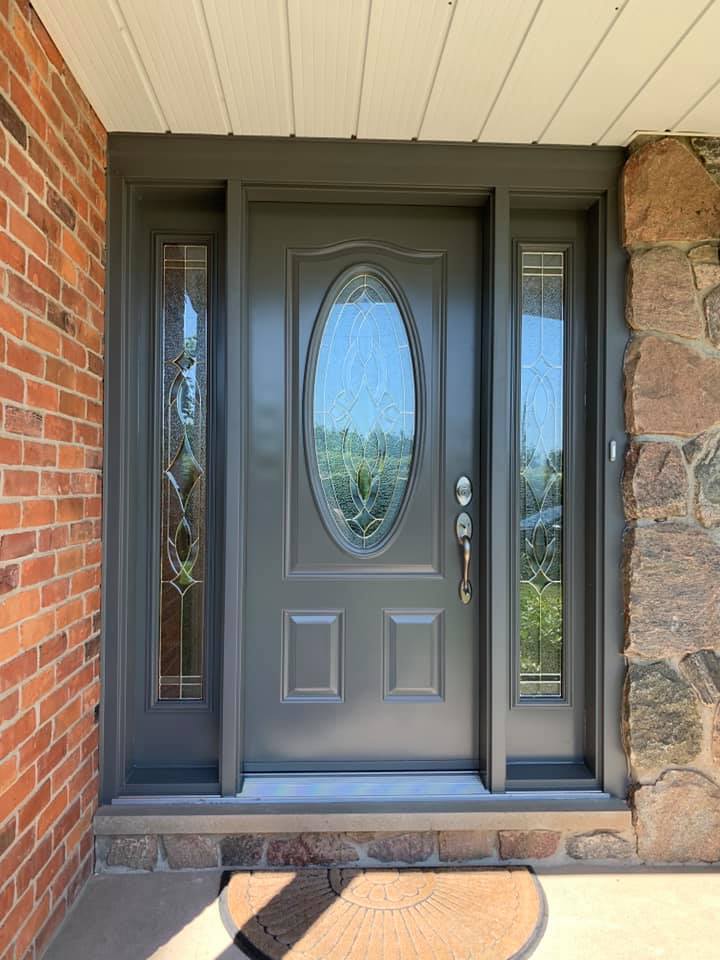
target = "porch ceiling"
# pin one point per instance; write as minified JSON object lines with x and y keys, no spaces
{"x":522,"y":71}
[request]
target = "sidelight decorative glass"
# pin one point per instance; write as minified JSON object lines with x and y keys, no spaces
{"x":364,"y":411}
{"x":542,"y":338}
{"x":181,"y":657}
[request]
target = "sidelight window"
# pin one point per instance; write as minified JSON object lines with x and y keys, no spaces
{"x":541,"y":456}
{"x":181,"y":655}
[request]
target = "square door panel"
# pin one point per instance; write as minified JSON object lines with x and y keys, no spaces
{"x":414,"y":654}
{"x":312,"y":655}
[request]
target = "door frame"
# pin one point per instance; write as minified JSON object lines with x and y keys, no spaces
{"x":495,"y":178}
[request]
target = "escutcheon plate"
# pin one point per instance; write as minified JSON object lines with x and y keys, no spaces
{"x":463,"y":527}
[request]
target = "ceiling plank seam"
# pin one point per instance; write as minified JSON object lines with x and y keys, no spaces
{"x":138,"y":63}
{"x":653,"y":73}
{"x":509,"y":70}
{"x":362,"y":70}
{"x":693,"y":106}
{"x":72,"y":57}
{"x":433,"y":80}
{"x":583,"y":69}
{"x":291,"y":79}
{"x":213,"y":63}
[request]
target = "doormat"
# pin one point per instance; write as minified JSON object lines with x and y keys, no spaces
{"x":469,"y":913}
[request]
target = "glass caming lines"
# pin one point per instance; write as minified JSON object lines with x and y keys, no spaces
{"x":541,"y":473}
{"x":363,"y":412}
{"x":184,"y":468}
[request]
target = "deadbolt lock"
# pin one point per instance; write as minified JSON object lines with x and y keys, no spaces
{"x":463,"y":491}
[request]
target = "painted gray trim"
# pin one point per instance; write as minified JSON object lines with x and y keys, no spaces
{"x":394,"y":172}
{"x":130,"y":357}
{"x":594,"y":268}
{"x":471,"y":168}
{"x":114,"y":497}
{"x":236,"y":379}
{"x":496,"y":495}
{"x":612,"y":336}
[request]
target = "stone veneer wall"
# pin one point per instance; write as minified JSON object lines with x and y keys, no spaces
{"x":52,"y":235}
{"x":120,"y":854}
{"x":671,"y":206}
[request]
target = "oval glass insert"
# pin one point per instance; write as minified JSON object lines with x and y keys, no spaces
{"x":363,"y":411}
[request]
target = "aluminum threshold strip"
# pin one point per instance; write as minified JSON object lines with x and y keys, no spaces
{"x":358,"y":788}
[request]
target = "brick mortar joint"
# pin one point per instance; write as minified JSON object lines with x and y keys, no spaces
{"x":53,"y":71}
{"x":42,"y":201}
{"x":22,"y":341}
{"x":101,"y":237}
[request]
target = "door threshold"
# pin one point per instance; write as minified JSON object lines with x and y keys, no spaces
{"x":360,"y":787}
{"x":464,"y":789}
{"x":264,"y":809}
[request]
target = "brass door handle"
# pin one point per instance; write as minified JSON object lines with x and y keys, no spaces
{"x":463,"y":530}
{"x":465,"y":585}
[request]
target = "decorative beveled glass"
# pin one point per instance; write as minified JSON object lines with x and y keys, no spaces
{"x":363,"y":411}
{"x":541,"y":464}
{"x":181,"y":652}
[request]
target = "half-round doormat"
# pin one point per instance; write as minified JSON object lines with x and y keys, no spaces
{"x":493,"y":913}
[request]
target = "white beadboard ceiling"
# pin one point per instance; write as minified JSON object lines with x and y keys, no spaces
{"x":508,"y":71}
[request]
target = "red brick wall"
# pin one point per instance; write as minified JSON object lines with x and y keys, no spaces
{"x":52,"y":229}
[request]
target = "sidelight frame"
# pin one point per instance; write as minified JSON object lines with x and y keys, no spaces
{"x":568,"y":581}
{"x":210,"y":693}
{"x":493,"y":177}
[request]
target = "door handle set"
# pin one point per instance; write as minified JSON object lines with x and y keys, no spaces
{"x":463,"y":531}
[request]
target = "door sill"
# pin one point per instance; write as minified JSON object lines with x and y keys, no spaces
{"x":311,"y":788}
{"x":271,"y":812}
{"x":357,"y":792}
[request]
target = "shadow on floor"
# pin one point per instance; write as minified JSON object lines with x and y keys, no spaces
{"x":283,"y":908}
{"x":623,"y":913}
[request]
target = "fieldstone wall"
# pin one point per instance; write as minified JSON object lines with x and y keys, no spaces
{"x":671,"y":487}
{"x":122,"y":854}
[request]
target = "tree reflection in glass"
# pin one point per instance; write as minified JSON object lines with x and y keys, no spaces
{"x":182,"y":498}
{"x":541,"y":473}
{"x":363,"y":412}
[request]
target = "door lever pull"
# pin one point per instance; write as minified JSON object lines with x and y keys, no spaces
{"x":465,"y":585}
{"x":463,"y":532}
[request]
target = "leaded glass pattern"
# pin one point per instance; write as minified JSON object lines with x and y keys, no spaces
{"x":541,"y":457}
{"x":364,"y":412}
{"x":184,"y":468}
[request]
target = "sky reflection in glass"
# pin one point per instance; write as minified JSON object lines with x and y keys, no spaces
{"x":363,"y":412}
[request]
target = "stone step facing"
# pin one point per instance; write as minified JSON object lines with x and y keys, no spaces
{"x":149,"y":837}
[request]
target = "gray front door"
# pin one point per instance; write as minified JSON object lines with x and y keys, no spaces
{"x":363,"y":412}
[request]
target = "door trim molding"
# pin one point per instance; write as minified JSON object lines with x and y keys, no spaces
{"x":490,"y":176}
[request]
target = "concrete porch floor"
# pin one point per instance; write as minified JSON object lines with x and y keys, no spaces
{"x":593,"y":914}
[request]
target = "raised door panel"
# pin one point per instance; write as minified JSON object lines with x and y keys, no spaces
{"x":412,"y":546}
